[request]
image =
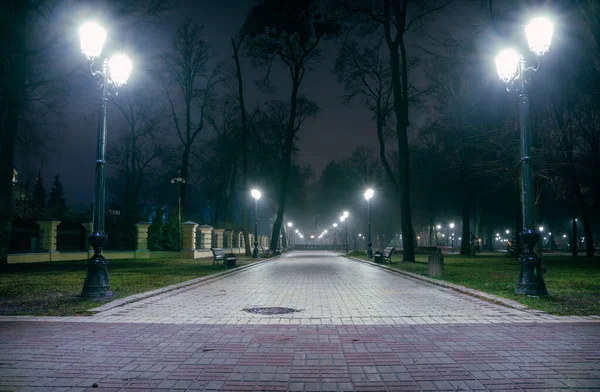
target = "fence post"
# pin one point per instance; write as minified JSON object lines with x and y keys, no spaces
{"x":141,"y":243}
{"x":219,"y":237}
{"x":189,"y":238}
{"x":206,"y":239}
{"x":49,"y":234}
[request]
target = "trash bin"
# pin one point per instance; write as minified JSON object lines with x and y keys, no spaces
{"x":378,"y":257}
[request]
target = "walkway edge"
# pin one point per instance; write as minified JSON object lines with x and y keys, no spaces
{"x":461,"y":289}
{"x":177,"y":286}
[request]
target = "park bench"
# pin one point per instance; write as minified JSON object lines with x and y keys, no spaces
{"x":221,"y":258}
{"x":387,"y":254}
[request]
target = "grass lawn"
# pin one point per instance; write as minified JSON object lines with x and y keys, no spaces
{"x":52,"y":289}
{"x":572,"y":282}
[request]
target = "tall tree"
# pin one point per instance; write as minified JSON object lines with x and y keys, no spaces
{"x":236,"y":44}
{"x":393,"y":19}
{"x":186,"y":66}
{"x":139,"y":147}
{"x":288,"y":32}
{"x":57,"y":204}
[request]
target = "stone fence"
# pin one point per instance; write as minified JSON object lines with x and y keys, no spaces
{"x":197,"y":241}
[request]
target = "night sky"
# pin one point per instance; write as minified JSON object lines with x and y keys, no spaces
{"x":331,"y":136}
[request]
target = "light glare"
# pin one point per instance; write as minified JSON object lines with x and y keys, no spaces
{"x":120,"y":67}
{"x":507,"y":63}
{"x":91,"y":39}
{"x":255,"y":194}
{"x":539,"y":34}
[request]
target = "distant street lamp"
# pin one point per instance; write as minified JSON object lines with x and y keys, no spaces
{"x":178,"y":181}
{"x":345,"y":229}
{"x":255,"y":193}
{"x":115,"y":72}
{"x":368,"y":196}
{"x":452,"y":227}
{"x":512,"y":67}
{"x":289,"y":225}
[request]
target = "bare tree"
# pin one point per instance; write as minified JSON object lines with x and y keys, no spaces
{"x":236,"y":44}
{"x":190,"y":84}
{"x":139,"y":148}
{"x":288,"y":32}
{"x":393,"y":19}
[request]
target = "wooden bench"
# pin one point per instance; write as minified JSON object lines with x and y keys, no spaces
{"x":221,"y":258}
{"x":387,"y":254}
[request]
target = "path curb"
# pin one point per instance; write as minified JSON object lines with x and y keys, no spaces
{"x":461,"y":289}
{"x":177,"y":286}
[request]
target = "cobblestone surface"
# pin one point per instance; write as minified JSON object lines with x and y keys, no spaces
{"x":361,"y":328}
{"x":36,"y":356}
{"x":327,"y":288}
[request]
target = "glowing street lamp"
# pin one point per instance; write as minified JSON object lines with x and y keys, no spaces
{"x":512,"y":67}
{"x":345,"y":228}
{"x":113,"y":72}
{"x":368,"y":196}
{"x":255,"y":193}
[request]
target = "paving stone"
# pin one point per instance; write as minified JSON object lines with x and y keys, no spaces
{"x":377,"y":331}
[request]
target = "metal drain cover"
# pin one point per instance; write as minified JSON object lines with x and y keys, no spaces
{"x":270,"y":310}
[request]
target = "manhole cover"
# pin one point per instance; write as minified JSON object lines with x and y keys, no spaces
{"x":270,"y":310}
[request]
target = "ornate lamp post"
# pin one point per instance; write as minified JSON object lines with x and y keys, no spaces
{"x":114,"y":72}
{"x":512,"y":67}
{"x":368,"y":196}
{"x":452,"y":228}
{"x":255,"y":193}
{"x":178,"y":181}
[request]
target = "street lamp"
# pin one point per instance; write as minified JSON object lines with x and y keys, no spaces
{"x":451,"y":228}
{"x":345,"y":229}
{"x":114,"y":72}
{"x":512,"y":67}
{"x":179,"y":181}
{"x":289,"y":225}
{"x":255,"y":193}
{"x":368,"y":196}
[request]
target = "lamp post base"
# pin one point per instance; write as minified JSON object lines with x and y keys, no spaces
{"x":255,"y":254}
{"x":96,"y":284}
{"x":369,"y":251}
{"x":531,"y":277}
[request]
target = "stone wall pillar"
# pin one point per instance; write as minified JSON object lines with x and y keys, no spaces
{"x":49,"y":234}
{"x":189,"y":235}
{"x":141,"y":230}
{"x":205,"y":236}
{"x":219,"y":237}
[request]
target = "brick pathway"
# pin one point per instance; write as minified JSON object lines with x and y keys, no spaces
{"x":361,"y":340}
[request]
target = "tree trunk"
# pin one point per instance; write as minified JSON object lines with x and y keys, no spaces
{"x":14,"y":71}
{"x":245,"y":135}
{"x":281,"y":198}
{"x":183,"y":186}
{"x":287,"y":160}
{"x":401,"y":111}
